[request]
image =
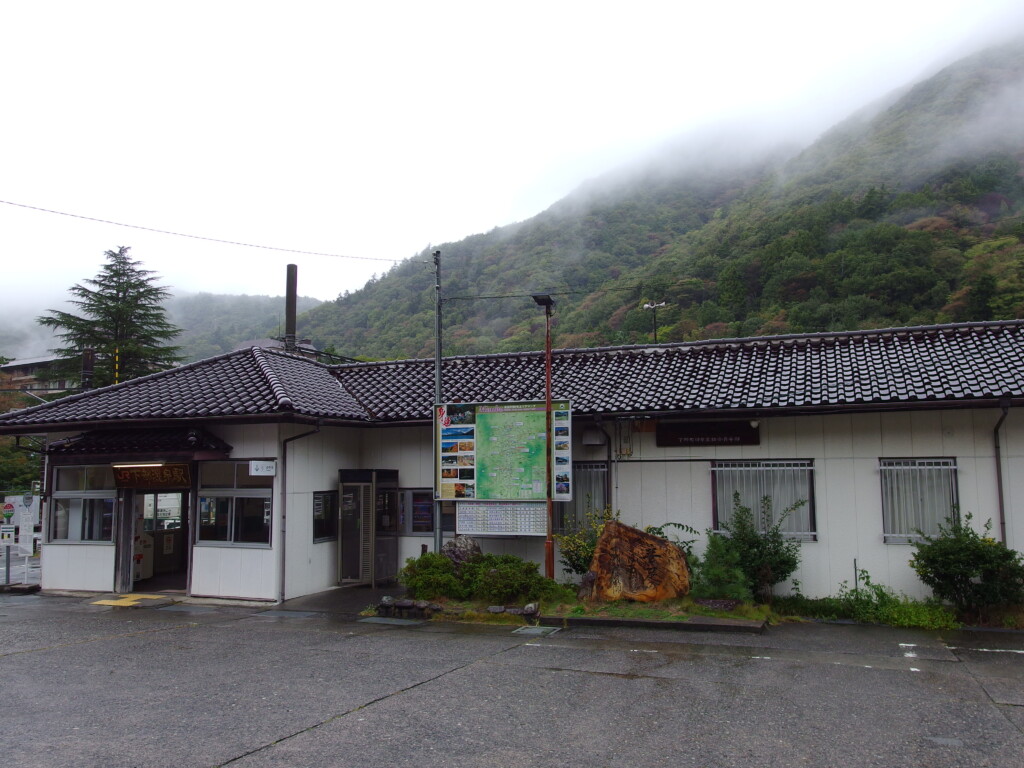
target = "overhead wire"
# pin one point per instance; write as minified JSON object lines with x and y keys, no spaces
{"x":197,"y":237}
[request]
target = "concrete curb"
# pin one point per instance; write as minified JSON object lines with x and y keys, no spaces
{"x":692,"y":624}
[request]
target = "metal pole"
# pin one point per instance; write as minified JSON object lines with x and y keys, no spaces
{"x":549,"y":544}
{"x":438,"y":393}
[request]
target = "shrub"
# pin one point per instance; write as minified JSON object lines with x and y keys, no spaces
{"x":577,"y":549}
{"x":765,"y":555}
{"x":718,"y":574}
{"x":430,"y":576}
{"x":870,"y":603}
{"x":497,"y":579}
{"x":879,"y":604}
{"x":972,"y":571}
{"x":502,"y":579}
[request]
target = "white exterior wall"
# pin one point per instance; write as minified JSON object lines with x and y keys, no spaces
{"x":87,"y":567}
{"x":312,"y":465}
{"x":648,"y":490}
{"x":233,"y":570}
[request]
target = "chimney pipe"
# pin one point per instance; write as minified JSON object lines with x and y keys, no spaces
{"x":88,"y":367}
{"x":290,"y":301}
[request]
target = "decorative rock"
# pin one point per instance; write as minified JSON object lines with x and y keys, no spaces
{"x":531,"y":609}
{"x":404,"y":603}
{"x":496,"y":609}
{"x":630,"y":564}
{"x":461,"y":549}
{"x":387,"y":600}
{"x":514,"y":611}
{"x":422,"y":605}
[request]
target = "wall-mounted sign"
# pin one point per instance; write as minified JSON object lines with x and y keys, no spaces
{"x":262,"y":468}
{"x":154,"y":476}
{"x":496,"y":451}
{"x":502,"y":518}
{"x":707,"y":433}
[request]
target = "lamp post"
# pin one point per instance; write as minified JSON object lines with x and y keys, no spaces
{"x":544,"y":300}
{"x":654,"y":311}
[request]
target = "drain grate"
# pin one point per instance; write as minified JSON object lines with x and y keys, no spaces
{"x":386,"y":620}
{"x":535,"y":631}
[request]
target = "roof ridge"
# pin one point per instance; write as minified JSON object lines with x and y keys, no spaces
{"x":728,"y":341}
{"x":280,"y":394}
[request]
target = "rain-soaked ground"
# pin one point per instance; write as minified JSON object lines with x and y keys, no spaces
{"x":305,"y":684}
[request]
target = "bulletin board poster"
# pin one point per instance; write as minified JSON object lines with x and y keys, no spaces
{"x":496,"y":451}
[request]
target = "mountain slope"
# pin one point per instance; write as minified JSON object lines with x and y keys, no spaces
{"x":908,"y":212}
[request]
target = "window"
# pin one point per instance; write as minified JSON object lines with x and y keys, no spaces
{"x":234,"y":506}
{"x":590,"y":486}
{"x":917,"y":495}
{"x":785,"y":482}
{"x":416,"y":513}
{"x":83,"y":503}
{"x":325,"y":516}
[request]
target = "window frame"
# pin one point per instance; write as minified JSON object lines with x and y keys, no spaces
{"x":262,"y":490}
{"x":589,"y":478}
{"x":91,"y":487}
{"x":801,"y":466}
{"x":889,"y":469}
{"x":406,"y":518}
{"x":328,"y":504}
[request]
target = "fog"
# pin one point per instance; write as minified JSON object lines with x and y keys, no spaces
{"x":345,"y":138}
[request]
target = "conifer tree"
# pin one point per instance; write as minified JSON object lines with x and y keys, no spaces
{"x":121,"y":319}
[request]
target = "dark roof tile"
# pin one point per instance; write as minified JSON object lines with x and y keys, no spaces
{"x":954,"y":364}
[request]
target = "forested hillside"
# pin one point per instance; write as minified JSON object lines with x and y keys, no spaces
{"x":909,"y":212}
{"x":215,"y":323}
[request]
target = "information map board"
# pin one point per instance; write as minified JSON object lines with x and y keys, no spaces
{"x":496,"y":451}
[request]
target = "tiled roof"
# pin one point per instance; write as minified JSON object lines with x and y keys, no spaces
{"x":248,"y":384}
{"x":953,"y":364}
{"x":947,"y":365}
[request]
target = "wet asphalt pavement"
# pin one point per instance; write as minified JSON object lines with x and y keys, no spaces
{"x":308,"y":684}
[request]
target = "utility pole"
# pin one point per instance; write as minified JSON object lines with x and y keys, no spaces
{"x":438,"y":393}
{"x":654,"y":310}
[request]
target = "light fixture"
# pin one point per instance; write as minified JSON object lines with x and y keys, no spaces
{"x":544,"y":300}
{"x":139,"y":465}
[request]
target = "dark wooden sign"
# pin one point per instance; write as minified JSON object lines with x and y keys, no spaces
{"x":698,"y":433}
{"x":163,"y":476}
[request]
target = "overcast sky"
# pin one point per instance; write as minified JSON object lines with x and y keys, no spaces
{"x":372,"y":130}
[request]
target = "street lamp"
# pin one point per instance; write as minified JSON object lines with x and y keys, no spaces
{"x":654,"y":312}
{"x":545,"y":300}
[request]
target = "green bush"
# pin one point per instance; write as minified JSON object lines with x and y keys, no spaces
{"x":495,"y":579}
{"x":577,"y":549}
{"x":431,"y":576}
{"x":765,"y":555}
{"x":870,"y":603}
{"x":972,"y":571}
{"x":718,"y":574}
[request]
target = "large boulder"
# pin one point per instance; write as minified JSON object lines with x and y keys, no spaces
{"x":630,"y":564}
{"x":461,"y":549}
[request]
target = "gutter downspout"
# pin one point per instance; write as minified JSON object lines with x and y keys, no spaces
{"x":284,"y":499}
{"x":1004,"y":404}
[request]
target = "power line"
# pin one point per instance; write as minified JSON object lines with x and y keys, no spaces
{"x":197,"y":237}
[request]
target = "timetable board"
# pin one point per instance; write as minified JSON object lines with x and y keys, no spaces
{"x":501,"y":518}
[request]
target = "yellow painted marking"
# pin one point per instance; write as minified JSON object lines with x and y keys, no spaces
{"x":128,"y":600}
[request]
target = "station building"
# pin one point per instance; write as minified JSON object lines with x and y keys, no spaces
{"x":266,"y":475}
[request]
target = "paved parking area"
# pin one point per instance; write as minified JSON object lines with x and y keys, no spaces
{"x":246,"y":685}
